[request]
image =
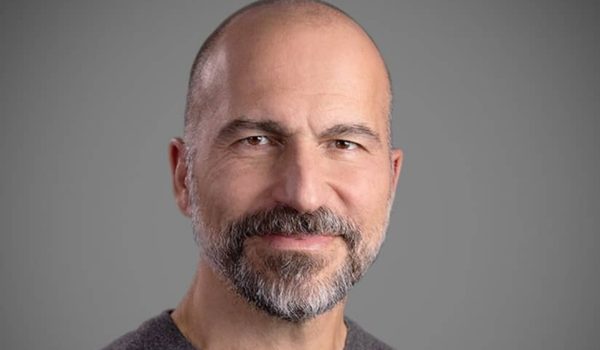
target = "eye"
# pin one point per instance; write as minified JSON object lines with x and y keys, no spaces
{"x":258,"y":140}
{"x":345,"y":144}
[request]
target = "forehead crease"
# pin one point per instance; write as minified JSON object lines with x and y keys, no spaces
{"x":248,"y":51}
{"x":241,"y":124}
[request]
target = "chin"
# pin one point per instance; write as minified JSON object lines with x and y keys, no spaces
{"x":293,"y":286}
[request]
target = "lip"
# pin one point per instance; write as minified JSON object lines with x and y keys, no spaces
{"x":298,"y":242}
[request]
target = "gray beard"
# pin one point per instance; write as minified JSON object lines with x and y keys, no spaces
{"x":283,"y":284}
{"x":289,"y":290}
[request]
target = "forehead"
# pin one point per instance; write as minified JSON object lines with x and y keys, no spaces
{"x":295,"y":71}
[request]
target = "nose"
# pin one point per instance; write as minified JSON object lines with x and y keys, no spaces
{"x":300,"y":181}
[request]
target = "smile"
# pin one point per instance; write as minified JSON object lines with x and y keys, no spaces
{"x":298,"y":242}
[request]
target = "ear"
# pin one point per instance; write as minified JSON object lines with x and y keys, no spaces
{"x":179,"y":173}
{"x":397,"y":157}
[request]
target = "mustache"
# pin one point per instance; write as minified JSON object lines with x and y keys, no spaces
{"x":287,"y":221}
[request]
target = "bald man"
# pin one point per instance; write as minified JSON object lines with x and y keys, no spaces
{"x":287,"y":172}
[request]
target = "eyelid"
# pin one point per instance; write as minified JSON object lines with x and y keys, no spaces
{"x":269,"y":140}
{"x":272,"y":141}
{"x":353,"y":145}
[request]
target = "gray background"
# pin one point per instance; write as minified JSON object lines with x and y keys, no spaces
{"x":494,"y":237}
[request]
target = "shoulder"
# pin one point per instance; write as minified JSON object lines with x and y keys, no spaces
{"x":359,"y":339}
{"x":158,"y":333}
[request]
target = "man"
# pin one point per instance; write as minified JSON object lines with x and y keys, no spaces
{"x":287,"y":172}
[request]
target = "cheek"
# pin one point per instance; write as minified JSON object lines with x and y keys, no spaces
{"x":230,"y":189}
{"x":365,"y":193}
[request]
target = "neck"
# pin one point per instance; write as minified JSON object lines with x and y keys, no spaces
{"x":211,"y":316}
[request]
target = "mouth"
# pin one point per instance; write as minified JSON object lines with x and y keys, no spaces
{"x":298,"y":242}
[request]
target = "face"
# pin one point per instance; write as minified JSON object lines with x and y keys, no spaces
{"x":291,"y":178}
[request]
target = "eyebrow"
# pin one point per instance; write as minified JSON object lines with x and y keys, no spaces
{"x":241,"y":124}
{"x":274,"y":128}
{"x":341,"y":130}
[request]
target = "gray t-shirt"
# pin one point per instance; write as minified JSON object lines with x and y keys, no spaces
{"x":161,"y":333}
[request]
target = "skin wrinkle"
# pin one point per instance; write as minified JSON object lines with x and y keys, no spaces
{"x":308,"y":86}
{"x":205,"y":69}
{"x":273,"y":128}
{"x":279,"y":136}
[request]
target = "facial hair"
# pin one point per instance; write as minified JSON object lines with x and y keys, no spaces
{"x":283,"y":283}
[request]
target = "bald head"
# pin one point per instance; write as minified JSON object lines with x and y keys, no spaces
{"x":288,"y":107}
{"x":241,"y":42}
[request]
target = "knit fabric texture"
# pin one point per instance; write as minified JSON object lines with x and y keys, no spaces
{"x":161,"y":333}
